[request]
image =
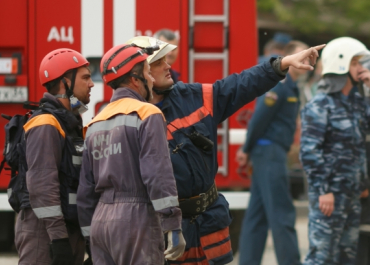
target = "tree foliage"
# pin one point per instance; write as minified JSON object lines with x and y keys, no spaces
{"x":338,"y":17}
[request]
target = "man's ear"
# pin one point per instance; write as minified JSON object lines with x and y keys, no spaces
{"x":135,"y":81}
{"x":62,"y":88}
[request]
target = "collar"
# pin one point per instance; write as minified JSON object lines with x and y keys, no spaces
{"x":290,"y":84}
{"x":52,"y":98}
{"x":159,"y":104}
{"x":125,"y":92}
{"x":164,"y":92}
{"x":70,"y":120}
{"x":289,"y":81}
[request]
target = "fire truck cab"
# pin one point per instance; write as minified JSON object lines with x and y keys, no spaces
{"x":217,"y":38}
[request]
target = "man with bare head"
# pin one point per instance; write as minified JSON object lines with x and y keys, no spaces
{"x":170,"y":37}
{"x":270,"y":135}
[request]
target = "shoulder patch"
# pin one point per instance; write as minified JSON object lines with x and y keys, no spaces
{"x":270,"y":98}
{"x":44,"y":119}
{"x":125,"y":106}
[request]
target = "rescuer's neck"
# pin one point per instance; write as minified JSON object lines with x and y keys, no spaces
{"x":156,"y":98}
{"x":65,"y":102}
{"x":347,"y":87}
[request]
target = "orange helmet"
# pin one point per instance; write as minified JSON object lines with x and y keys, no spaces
{"x":59,"y":61}
{"x":121,"y":59}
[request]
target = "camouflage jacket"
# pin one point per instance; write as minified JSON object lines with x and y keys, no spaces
{"x":333,"y":143}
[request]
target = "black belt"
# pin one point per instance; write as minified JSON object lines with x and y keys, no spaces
{"x":198,"y":204}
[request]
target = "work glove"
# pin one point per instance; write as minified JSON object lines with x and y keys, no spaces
{"x":61,"y":252}
{"x":176,"y":245}
{"x":88,"y":261}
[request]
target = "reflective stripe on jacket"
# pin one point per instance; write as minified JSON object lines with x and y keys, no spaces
{"x":53,"y":165}
{"x":200,"y":108}
{"x":126,"y":152}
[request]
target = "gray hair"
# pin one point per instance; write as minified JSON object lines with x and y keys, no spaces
{"x":166,"y":33}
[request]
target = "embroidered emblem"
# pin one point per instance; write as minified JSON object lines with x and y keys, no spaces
{"x":271,"y":98}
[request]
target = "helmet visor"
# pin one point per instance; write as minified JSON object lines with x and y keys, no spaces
{"x":163,"y":50}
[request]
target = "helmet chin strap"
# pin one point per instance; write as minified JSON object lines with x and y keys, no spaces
{"x":354,"y":83}
{"x":145,"y":82}
{"x":358,"y":84}
{"x":77,"y":106}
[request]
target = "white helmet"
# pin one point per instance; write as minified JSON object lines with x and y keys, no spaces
{"x":145,"y":41}
{"x":338,"y":53}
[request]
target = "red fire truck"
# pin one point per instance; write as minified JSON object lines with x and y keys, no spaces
{"x":217,"y":38}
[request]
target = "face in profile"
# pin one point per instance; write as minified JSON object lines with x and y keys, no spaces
{"x":356,"y":68}
{"x":83,"y":85}
{"x":160,"y":71}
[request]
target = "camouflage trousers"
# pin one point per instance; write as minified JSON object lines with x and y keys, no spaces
{"x":333,"y":239}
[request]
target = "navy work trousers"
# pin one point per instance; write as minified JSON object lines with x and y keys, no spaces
{"x":270,"y":206}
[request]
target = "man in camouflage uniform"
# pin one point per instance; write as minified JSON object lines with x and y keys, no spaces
{"x":333,"y":153}
{"x":363,"y":253}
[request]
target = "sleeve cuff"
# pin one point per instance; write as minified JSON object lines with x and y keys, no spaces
{"x":276,"y":65}
{"x":172,"y":222}
{"x":57,"y":232}
{"x":324,"y":189}
{"x":364,"y":184}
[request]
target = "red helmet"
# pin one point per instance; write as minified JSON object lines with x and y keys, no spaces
{"x":120,"y":60}
{"x":59,"y":61}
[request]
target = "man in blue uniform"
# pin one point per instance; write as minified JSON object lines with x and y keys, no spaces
{"x":270,"y":135}
{"x":334,"y":125}
{"x":193,"y":112}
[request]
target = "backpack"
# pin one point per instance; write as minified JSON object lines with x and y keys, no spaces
{"x":14,"y":154}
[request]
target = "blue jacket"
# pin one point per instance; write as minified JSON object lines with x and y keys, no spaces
{"x":275,"y":116}
{"x":197,"y":107}
{"x":333,"y":142}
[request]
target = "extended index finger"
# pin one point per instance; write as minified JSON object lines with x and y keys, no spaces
{"x":319,"y":47}
{"x":314,"y":53}
{"x":309,"y":52}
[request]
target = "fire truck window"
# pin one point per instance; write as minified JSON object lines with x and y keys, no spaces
{"x":95,"y":69}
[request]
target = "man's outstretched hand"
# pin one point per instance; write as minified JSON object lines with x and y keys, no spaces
{"x":305,"y":59}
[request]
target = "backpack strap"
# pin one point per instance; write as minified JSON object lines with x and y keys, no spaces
{"x":2,"y":164}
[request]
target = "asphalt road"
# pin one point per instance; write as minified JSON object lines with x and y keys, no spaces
{"x":268,"y":258}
